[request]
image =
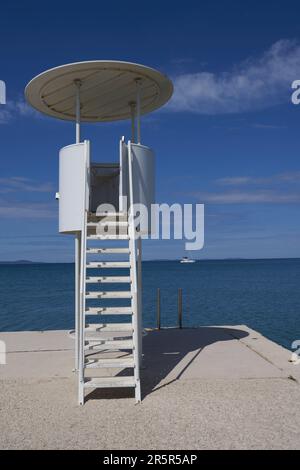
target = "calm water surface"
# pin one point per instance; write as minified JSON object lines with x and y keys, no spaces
{"x":263,"y":294}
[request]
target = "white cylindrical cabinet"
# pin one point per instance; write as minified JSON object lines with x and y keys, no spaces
{"x":143,"y":166}
{"x":73,"y":185}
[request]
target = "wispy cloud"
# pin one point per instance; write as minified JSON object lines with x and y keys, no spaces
{"x":182,"y":60}
{"x":288,"y":177}
{"x":248,"y":197}
{"x":268,"y":126}
{"x":18,"y":186}
{"x":21,"y":184}
{"x":6,"y":112}
{"x":30,"y":210}
{"x":14,"y":109}
{"x":282,"y":188}
{"x":254,"y":84}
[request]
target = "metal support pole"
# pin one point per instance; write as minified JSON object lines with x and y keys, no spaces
{"x":77,"y":241}
{"x":158,"y":309}
{"x":77,"y":296}
{"x":138,"y":109}
{"x":132,"y":112}
{"x":81,"y":297}
{"x":180,"y":308}
{"x":77,"y":106}
{"x":140,"y":300}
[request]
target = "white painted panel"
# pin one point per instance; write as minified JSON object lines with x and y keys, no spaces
{"x":143,"y":169}
{"x":123,"y":181}
{"x":73,"y":186}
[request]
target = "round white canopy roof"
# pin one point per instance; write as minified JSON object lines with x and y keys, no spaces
{"x":106,"y":91}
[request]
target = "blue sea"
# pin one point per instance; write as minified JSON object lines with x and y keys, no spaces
{"x":263,"y":294}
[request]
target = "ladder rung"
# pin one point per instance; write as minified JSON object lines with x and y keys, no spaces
{"x":108,"y":223}
{"x":109,"y":311}
{"x":123,"y":294}
{"x":117,"y":362}
{"x":108,"y":344}
{"x":109,"y":336}
{"x":108,"y":264}
{"x":109,"y":327}
{"x":107,"y":237}
{"x":111,"y":382}
{"x":108,"y":250}
{"x":95,"y":279}
{"x":107,"y":214}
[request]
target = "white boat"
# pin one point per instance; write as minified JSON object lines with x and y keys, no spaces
{"x":186,"y":259}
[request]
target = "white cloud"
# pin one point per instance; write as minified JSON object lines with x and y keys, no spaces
{"x":14,"y":109}
{"x":288,"y":177}
{"x":6,"y":112}
{"x":282,"y":188}
{"x":268,"y":126}
{"x":19,"y":209}
{"x":23,"y":210}
{"x":248,"y":197}
{"x":252,"y":85}
{"x":23,"y":109}
{"x":19,"y":184}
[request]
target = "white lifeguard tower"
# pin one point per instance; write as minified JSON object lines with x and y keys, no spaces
{"x":95,"y":205}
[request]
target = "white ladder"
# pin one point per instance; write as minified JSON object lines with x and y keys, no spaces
{"x":109,"y":352}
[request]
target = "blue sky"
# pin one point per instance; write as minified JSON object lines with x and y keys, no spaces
{"x":229,"y":138}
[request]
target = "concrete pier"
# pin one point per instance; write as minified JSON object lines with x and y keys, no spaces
{"x":205,"y":388}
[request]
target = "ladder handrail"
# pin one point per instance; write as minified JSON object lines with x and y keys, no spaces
{"x":82,"y":284}
{"x":82,"y":306}
{"x":133,"y":257}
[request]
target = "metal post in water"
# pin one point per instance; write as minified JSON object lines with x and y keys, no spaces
{"x":158,"y":309}
{"x":180,"y":308}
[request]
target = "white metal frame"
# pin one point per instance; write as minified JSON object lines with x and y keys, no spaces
{"x":77,"y":84}
{"x":135,"y":275}
{"x":134,"y":282}
{"x":82,"y":313}
{"x":77,"y":295}
{"x":61,"y":80}
{"x":135,"y":246}
{"x":140,"y":294}
{"x":82,"y":285}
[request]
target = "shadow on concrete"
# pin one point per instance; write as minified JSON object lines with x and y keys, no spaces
{"x":168,"y":354}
